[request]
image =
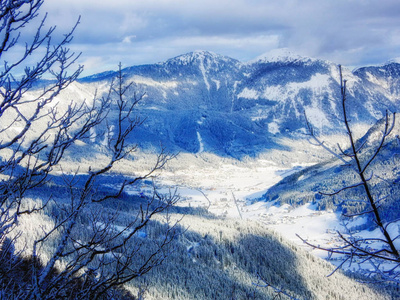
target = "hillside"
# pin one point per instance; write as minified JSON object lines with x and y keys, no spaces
{"x":217,"y":258}
{"x":244,"y":169}
{"x":227,"y":107}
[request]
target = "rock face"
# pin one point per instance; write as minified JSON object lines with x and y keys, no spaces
{"x":203,"y":101}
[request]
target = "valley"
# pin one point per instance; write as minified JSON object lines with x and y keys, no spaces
{"x":244,"y":174}
{"x":199,"y":175}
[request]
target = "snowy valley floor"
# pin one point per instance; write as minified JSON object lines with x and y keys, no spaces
{"x":218,"y":257}
{"x":233,"y":189}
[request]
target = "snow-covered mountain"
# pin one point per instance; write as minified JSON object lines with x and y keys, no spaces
{"x":205,"y":102}
{"x":202,"y":101}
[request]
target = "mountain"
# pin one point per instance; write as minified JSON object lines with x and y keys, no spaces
{"x":205,"y":102}
{"x":314,"y":183}
{"x":202,"y":101}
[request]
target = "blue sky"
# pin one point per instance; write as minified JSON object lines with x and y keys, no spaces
{"x":350,"y":32}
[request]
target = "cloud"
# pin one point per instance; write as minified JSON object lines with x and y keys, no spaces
{"x":129,"y":39}
{"x":347,"y":31}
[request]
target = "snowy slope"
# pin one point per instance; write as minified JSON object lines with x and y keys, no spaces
{"x":241,"y":109}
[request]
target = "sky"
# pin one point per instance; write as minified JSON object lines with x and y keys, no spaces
{"x":350,"y":32}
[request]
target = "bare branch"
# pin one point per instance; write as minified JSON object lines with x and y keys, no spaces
{"x":363,"y":247}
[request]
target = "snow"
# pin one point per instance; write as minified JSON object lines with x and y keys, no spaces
{"x":125,"y":230}
{"x":203,"y":72}
{"x":203,"y":178}
{"x":318,"y":83}
{"x":188,"y":58}
{"x":280,"y":55}
{"x":384,"y":86}
{"x":201,"y":145}
{"x":276,"y":92}
{"x":248,"y":94}
{"x":218,"y":187}
{"x":273,"y":128}
{"x":315,"y":226}
{"x":109,"y":134}
{"x":151,"y":82}
{"x":316,"y":117}
{"x":373,"y":79}
{"x":373,"y":112}
{"x":217,"y":83}
{"x":233,"y":189}
{"x":153,"y":108}
{"x":92,"y":133}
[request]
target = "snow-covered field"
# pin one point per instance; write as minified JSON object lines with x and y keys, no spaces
{"x":232,"y":189}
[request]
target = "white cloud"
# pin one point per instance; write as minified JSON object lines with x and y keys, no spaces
{"x":128,"y":39}
{"x":347,"y":31}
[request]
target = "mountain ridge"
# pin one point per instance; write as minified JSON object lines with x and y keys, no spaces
{"x":241,"y":108}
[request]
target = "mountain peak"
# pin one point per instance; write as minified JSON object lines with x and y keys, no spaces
{"x":280,"y":55}
{"x":198,"y":56}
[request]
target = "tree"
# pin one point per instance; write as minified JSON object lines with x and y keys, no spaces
{"x":85,"y":261}
{"x":381,"y":251}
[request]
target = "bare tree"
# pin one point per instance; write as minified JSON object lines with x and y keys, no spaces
{"x":19,"y":110}
{"x":87,"y":261}
{"x":380,"y":253}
